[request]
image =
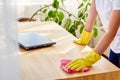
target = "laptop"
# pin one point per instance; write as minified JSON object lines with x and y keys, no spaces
{"x":31,"y":40}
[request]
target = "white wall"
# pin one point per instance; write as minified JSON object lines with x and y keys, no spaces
{"x":22,"y":7}
{"x":27,"y":7}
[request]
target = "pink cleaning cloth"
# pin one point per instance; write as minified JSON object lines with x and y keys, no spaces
{"x":64,"y":62}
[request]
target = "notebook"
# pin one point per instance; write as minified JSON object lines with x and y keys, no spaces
{"x":32,"y":40}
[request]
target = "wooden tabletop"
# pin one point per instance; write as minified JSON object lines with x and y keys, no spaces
{"x":44,"y":63}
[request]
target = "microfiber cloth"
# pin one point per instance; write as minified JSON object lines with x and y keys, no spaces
{"x":64,"y":62}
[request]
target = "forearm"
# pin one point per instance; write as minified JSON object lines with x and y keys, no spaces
{"x":104,"y":43}
{"x":91,"y":17}
{"x":110,"y":34}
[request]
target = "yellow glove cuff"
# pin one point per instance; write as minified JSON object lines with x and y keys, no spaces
{"x":85,"y":38}
{"x":92,"y":58}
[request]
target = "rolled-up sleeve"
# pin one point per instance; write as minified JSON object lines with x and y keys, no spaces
{"x":116,"y":4}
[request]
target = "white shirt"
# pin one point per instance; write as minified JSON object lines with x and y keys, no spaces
{"x":104,"y":9}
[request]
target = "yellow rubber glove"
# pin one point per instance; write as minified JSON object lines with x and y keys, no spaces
{"x":80,"y":63}
{"x":84,"y":39}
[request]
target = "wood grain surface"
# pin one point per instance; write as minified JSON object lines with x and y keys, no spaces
{"x":44,"y":63}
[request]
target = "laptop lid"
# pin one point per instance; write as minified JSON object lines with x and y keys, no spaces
{"x":31,"y":40}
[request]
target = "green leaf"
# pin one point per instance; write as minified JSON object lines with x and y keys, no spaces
{"x":47,"y":18}
{"x":61,"y":16}
{"x":70,"y":15}
{"x":85,"y":0}
{"x":72,"y":28}
{"x":59,"y":22}
{"x":80,"y":5}
{"x":81,"y":29}
{"x":80,"y":14}
{"x":55,"y":12}
{"x":73,"y":33}
{"x":89,"y":4}
{"x":76,"y":24}
{"x":50,"y":13}
{"x":55,"y":4}
{"x":44,"y":11}
{"x":67,"y":23}
{"x":56,"y":19}
{"x":95,"y":33}
{"x":83,"y":17}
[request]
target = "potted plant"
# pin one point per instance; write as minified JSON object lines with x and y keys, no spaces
{"x":53,"y":12}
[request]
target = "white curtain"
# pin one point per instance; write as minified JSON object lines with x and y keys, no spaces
{"x":9,"y":64}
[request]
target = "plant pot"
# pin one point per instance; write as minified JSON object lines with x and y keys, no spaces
{"x":25,"y":19}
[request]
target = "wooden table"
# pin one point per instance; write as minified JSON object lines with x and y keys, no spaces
{"x":44,"y":63}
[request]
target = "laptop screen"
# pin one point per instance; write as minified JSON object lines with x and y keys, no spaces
{"x":30,"y":40}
